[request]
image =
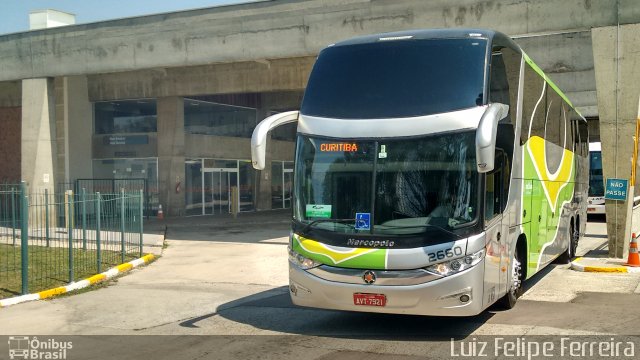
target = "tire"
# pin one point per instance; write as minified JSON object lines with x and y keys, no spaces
{"x":508,"y":301}
{"x":570,"y":253}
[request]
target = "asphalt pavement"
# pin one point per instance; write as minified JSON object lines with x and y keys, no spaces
{"x":227,"y":277}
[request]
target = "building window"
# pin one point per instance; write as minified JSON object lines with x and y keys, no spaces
{"x":208,"y":118}
{"x":127,"y":169}
{"x":210,"y":184}
{"x":285,"y":132}
{"x":122,"y":117}
{"x":281,"y":180}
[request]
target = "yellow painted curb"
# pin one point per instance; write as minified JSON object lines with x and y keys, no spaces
{"x":575,"y":265}
{"x":124,"y":267}
{"x":79,"y":284}
{"x":52,"y":292}
{"x":605,"y":269}
{"x":96,"y":278}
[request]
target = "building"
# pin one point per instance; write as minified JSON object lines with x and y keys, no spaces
{"x":172,"y":98}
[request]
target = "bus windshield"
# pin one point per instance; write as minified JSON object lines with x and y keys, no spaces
{"x":387,"y":187}
{"x":390,"y":79}
{"x":596,"y":183}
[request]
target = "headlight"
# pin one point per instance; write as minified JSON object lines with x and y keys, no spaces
{"x":451,"y":267}
{"x":300,"y":261}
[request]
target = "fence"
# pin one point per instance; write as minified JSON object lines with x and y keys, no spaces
{"x":112,"y":186}
{"x":48,"y":239}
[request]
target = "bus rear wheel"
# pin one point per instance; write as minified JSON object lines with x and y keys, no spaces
{"x":570,"y":253}
{"x":508,"y":301}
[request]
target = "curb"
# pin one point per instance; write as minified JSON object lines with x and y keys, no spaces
{"x":122,"y":268}
{"x":575,"y":265}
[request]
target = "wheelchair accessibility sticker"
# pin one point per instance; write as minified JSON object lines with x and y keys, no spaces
{"x":363,"y":221}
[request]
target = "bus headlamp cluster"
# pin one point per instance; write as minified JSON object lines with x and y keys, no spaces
{"x":455,"y":266}
{"x":300,"y":261}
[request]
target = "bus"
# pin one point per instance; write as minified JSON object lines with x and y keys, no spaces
{"x":435,"y":171}
{"x":596,"y":181}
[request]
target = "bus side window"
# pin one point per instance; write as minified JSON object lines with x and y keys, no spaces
{"x":495,"y":197}
{"x":504,"y":79}
{"x":506,"y":179}
{"x":498,"y":86}
{"x":533,"y":105}
{"x":512,"y":60}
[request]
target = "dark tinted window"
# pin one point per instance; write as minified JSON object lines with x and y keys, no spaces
{"x":207,"y":118}
{"x":498,"y":86}
{"x":584,"y":138}
{"x":511,"y":60}
{"x":533,"y":104}
{"x":555,"y":120}
{"x":396,"y":79}
{"x":129,"y":116}
{"x":596,"y":184}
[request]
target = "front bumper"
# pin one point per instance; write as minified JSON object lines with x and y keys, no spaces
{"x":439,"y":297}
{"x":595,"y":209}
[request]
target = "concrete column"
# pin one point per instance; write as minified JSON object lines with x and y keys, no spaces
{"x":171,"y":154}
{"x":78,"y":129}
{"x":38,"y":149}
{"x":616,"y":63}
{"x":264,"y":177}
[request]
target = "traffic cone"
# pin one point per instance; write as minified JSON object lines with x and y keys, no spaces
{"x":634,"y":258}
{"x":160,"y":213}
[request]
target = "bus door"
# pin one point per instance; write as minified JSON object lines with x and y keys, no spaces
{"x":538,"y":224}
{"x":496,"y":228}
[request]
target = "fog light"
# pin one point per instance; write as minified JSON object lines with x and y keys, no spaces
{"x":455,"y":265}
{"x":464,"y":298}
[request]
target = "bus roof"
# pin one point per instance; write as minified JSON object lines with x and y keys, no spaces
{"x":595,"y":146}
{"x":420,"y":34}
{"x":457,"y":33}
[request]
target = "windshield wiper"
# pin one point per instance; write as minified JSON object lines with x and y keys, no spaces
{"x":340,"y":221}
{"x":426,"y":226}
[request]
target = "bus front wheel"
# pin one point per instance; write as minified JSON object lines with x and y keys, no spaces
{"x":508,"y":301}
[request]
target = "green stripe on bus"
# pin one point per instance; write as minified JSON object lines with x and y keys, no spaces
{"x":537,"y":69}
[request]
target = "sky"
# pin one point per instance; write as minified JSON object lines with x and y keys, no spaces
{"x":14,"y":14}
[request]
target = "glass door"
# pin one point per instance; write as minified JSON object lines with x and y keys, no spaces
{"x":210,"y":186}
{"x":247,"y":186}
{"x":215,"y":180}
{"x":218,"y":184}
{"x":193,"y":189}
{"x":287,"y":180}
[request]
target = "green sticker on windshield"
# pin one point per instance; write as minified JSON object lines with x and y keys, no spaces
{"x":318,"y":211}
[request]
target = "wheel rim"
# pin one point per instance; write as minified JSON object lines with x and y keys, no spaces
{"x":516,"y":276}
{"x":574,"y":242}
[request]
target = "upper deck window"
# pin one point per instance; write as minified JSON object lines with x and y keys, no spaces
{"x":391,"y":79}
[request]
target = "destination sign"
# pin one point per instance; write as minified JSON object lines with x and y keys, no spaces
{"x":335,"y":147}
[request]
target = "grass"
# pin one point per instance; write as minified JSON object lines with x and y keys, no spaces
{"x":49,"y":267}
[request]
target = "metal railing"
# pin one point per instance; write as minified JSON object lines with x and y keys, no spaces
{"x":111,"y":186}
{"x":49,"y":239}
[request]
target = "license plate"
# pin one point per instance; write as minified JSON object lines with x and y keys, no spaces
{"x":369,"y":299}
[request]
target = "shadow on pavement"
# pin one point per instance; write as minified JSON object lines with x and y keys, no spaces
{"x":532,"y":281}
{"x":273,"y":310}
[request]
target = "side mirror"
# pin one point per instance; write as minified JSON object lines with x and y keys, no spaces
{"x":259,"y":137}
{"x":486,"y":136}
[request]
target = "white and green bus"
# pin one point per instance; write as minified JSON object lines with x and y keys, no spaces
{"x":435,"y":171}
